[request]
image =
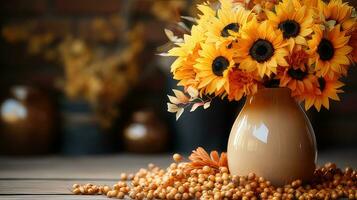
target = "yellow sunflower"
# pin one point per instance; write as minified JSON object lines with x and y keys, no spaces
{"x":261,"y":48}
{"x":294,"y":21}
{"x":187,"y":53}
{"x":212,"y":68}
{"x":230,"y":18}
{"x":326,"y":88}
{"x":297,"y":77}
{"x":183,"y":70}
{"x":206,"y":14}
{"x":338,"y":11}
{"x":241,"y":83}
{"x":329,"y":51}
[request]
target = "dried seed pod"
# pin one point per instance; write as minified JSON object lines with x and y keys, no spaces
{"x":177,"y":157}
{"x":75,"y":186}
{"x":77,"y":191}
{"x":81,"y":189}
{"x":123,"y":176}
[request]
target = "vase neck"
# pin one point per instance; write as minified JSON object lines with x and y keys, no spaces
{"x":270,"y":96}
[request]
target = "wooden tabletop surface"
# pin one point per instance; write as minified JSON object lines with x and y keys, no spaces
{"x":52,"y":177}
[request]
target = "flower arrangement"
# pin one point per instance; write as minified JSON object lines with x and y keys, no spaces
{"x":238,"y":47}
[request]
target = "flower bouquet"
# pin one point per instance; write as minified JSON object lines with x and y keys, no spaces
{"x":275,"y":53}
{"x":239,"y":47}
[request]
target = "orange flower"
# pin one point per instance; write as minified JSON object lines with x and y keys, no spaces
{"x":296,"y":77}
{"x":241,"y":83}
{"x":298,"y":58}
{"x":200,"y":158}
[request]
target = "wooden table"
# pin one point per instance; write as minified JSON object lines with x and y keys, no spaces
{"x":52,"y":177}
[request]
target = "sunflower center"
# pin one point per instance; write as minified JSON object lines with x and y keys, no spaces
{"x":219,"y":65}
{"x":297,"y":74}
{"x":325,"y":50}
{"x":330,"y":18}
{"x":230,"y":27}
{"x":290,"y":28}
{"x":322,"y":83}
{"x":262,"y":50}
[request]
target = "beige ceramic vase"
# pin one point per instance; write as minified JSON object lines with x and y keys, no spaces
{"x":273,"y":138}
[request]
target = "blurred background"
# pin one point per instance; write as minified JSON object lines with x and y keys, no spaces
{"x":80,"y":77}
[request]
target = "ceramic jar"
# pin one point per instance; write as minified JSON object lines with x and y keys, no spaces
{"x":145,"y":134}
{"x":27,"y":122}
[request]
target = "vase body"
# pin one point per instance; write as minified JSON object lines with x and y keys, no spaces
{"x":273,"y":138}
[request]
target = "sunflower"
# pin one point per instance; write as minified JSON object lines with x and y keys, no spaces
{"x":297,"y":76}
{"x":241,"y":83}
{"x":212,"y":68}
{"x":293,"y":20}
{"x":261,"y":48}
{"x":326,"y":88}
{"x":329,"y":51}
{"x":187,"y":53}
{"x":339,"y":12}
{"x":206,"y":14}
{"x":183,"y":70}
{"x":230,"y":18}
